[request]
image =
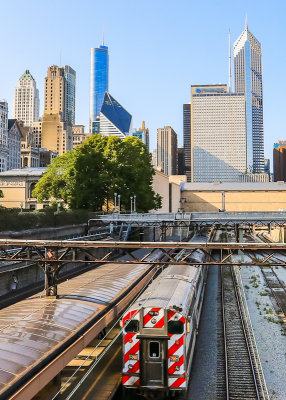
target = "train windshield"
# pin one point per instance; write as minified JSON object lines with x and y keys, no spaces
{"x":175,"y":327}
{"x":132,"y":326}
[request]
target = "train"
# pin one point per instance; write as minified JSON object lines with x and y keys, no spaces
{"x":159,"y":332}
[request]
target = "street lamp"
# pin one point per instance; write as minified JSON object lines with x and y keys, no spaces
{"x":134,"y":203}
{"x":119,"y":204}
{"x":131,"y":198}
{"x":115,"y":196}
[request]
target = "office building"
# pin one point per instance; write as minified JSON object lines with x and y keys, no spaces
{"x":14,"y":144}
{"x":79,"y":135}
{"x":154,"y":158}
{"x":30,"y":154}
{"x":167,"y":150}
{"x":187,"y":139}
{"x":3,"y":136}
{"x":218,"y":140}
{"x":26,"y":100}
{"x":56,"y":130}
{"x":181,"y":161}
{"x":267,"y":166}
{"x":248,"y":80}
{"x":279,"y":161}
{"x":98,"y":82}
{"x":70,"y":76}
{"x":55,"y":92}
{"x":142,"y":133}
{"x":114,"y":119}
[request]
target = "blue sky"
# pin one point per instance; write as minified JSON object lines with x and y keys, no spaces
{"x":157,"y":49}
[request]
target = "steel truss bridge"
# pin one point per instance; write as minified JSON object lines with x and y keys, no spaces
{"x":53,"y":255}
{"x":194,"y":219}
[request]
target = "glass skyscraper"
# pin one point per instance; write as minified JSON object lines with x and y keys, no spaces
{"x":98,"y":81}
{"x":248,"y":80}
{"x":70,"y":76}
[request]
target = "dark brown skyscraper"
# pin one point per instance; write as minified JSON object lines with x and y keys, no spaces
{"x":279,"y":161}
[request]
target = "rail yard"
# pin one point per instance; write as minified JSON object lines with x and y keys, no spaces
{"x":66,"y":343}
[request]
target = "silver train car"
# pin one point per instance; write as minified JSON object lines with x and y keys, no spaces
{"x":159,"y":332}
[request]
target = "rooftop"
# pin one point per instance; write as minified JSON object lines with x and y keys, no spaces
{"x":234,"y":186}
{"x":24,"y":172}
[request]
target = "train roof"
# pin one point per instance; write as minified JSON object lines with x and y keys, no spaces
{"x":36,"y":329}
{"x":171,"y":289}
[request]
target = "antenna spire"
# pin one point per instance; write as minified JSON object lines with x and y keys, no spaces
{"x":103,"y":34}
{"x":229,"y":62}
{"x":246,"y":24}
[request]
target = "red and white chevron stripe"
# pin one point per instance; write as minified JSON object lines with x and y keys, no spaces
{"x":177,"y":382}
{"x":147,"y":318}
{"x":131,"y":352}
{"x":176,"y":350}
{"x":130,"y":380}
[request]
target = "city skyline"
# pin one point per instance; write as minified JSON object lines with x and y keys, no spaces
{"x":134,"y":81}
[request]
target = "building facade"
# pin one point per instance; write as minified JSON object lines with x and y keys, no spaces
{"x":26,"y":100}
{"x":279,"y":161}
{"x":218,"y":126}
{"x":79,"y":135}
{"x":114,"y":119}
{"x":99,"y":67}
{"x":181,"y":161}
{"x":56,"y":130}
{"x":70,"y":76}
{"x":167,"y":150}
{"x":248,"y":80}
{"x":14,"y":144}
{"x":187,"y":139}
{"x":3,"y":136}
{"x":30,"y":154}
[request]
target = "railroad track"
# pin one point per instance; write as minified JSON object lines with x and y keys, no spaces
{"x":239,"y":372}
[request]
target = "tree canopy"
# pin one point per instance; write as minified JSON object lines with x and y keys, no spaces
{"x":88,"y":177}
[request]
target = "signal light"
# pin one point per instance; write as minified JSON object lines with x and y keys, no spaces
{"x":177,"y":342}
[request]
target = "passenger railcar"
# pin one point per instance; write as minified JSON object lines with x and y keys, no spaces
{"x":159,"y":331}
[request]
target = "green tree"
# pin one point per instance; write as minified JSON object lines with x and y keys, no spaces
{"x":88,"y":177}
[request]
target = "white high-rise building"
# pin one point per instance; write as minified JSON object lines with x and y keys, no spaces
{"x":218,"y":140}
{"x":26,"y":100}
{"x":3,"y":136}
{"x":248,"y":80}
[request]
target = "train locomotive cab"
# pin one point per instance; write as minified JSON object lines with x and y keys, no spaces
{"x":159,"y":333}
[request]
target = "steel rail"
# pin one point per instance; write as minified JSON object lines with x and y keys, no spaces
{"x":139,"y":245}
{"x":245,"y":336}
{"x":224,"y":334}
{"x":247,"y":339}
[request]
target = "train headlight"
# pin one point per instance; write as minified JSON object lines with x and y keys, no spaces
{"x":130,"y":340}
{"x":177,"y":368}
{"x":153,"y":320}
{"x":130,"y":366}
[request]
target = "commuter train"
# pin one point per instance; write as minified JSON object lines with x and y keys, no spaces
{"x":159,"y":332}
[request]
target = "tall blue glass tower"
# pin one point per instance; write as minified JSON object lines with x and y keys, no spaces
{"x":98,"y":83}
{"x":248,"y":80}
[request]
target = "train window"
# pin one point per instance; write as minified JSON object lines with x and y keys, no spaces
{"x":175,"y":327}
{"x":154,"y":349}
{"x":132,"y":326}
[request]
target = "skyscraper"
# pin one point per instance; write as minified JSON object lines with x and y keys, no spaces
{"x":70,"y":76}
{"x":248,"y":80}
{"x":114,"y":119}
{"x":218,"y":145}
{"x":167,"y":150}
{"x":56,"y":129}
{"x":26,"y":100}
{"x":187,"y":140}
{"x":98,"y":81}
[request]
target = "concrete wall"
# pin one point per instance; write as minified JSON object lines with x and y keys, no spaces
{"x":205,"y":201}
{"x":169,"y":188}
